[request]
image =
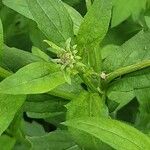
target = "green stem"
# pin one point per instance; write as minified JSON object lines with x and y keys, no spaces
{"x":126,"y":70}
{"x":88,"y":82}
{"x":85,"y":74}
{"x":4,"y":73}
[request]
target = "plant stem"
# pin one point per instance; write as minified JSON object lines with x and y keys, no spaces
{"x":4,"y":73}
{"x":126,"y":70}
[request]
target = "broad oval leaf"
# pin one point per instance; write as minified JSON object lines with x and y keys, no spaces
{"x":117,"y":134}
{"x":21,"y":7}
{"x":52,"y":19}
{"x":38,"y":77}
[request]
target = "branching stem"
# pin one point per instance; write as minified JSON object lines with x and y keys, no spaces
{"x":126,"y":70}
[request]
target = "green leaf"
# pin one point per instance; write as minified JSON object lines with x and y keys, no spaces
{"x":39,"y":53}
{"x":95,"y":24}
{"x":123,"y":90}
{"x":76,"y":18}
{"x":107,"y":50}
{"x":52,"y":19}
{"x":135,"y":81}
{"x":55,"y":140}
{"x":15,"y":27}
{"x":117,"y":134}
{"x":131,"y":52}
{"x":15,"y":58}
{"x":38,"y":77}
{"x":143,"y":117}
{"x":67,"y":91}
{"x":93,"y":29}
{"x":121,"y":97}
{"x":32,"y":129}
{"x":7,"y":142}
{"x":37,"y":36}
{"x":20,"y":6}
{"x":45,"y":115}
{"x":86,"y":105}
{"x":44,"y":106}
{"x":9,"y":105}
{"x":123,"y":9}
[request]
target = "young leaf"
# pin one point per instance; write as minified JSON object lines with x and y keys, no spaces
{"x":117,"y":134}
{"x":52,"y":19}
{"x":95,"y":24}
{"x":38,"y":77}
{"x":9,"y":105}
{"x":93,"y":29}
